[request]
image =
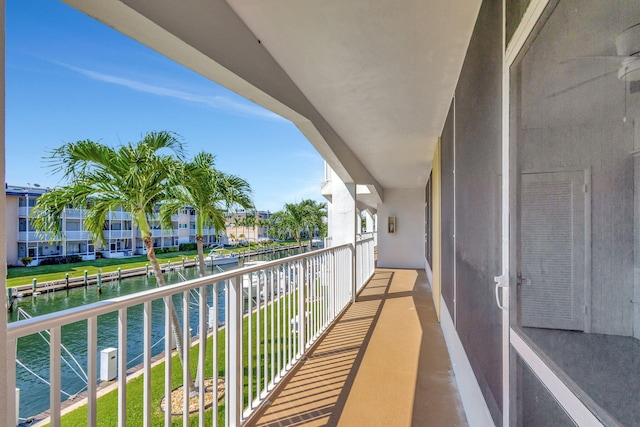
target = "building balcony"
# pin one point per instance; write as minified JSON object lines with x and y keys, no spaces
{"x":33,"y":236}
{"x":258,"y":303}
{"x":118,"y":234}
{"x":74,"y":213}
{"x":77,"y":235}
{"x":205,"y":232}
{"x":119,"y":215}
{"x":325,"y":189}
{"x":160,"y":233}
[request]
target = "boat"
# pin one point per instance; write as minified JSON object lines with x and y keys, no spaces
{"x":216,"y":257}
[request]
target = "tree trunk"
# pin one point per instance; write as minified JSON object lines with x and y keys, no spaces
{"x":175,"y":321}
{"x":200,"y":246}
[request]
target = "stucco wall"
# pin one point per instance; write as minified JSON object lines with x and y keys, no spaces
{"x":404,"y":248}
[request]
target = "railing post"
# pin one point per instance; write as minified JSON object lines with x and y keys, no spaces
{"x":233,"y":355}
{"x":168,"y":333}
{"x":122,"y":367}
{"x":92,"y":369}
{"x":54,"y":372}
{"x":202,"y":323}
{"x":186,"y":346}
{"x":302,"y":317}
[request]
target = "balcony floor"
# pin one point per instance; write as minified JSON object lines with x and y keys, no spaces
{"x":383,"y":363}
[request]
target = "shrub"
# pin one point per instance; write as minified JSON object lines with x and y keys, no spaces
{"x":69,"y":259}
{"x":188,"y":246}
{"x":73,"y":258}
{"x":26,"y":260}
{"x":172,"y":249}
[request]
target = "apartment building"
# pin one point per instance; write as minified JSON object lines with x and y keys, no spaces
{"x":121,"y":236}
{"x":239,"y":230}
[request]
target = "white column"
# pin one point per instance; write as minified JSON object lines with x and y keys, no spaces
{"x":344,"y":220}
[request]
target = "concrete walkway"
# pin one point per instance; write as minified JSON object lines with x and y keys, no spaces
{"x":384,"y":363}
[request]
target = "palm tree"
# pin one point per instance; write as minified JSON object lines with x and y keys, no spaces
{"x":249,"y":221}
{"x":237,"y":223}
{"x":317,"y":212}
{"x":297,"y":217}
{"x":101,"y":178}
{"x":209,"y":192}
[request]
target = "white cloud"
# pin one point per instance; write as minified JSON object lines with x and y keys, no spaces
{"x":215,"y":102}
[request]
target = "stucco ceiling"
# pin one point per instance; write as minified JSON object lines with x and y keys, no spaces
{"x":382,"y":73}
{"x":369,"y":82}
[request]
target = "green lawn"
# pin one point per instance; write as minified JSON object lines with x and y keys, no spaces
{"x":24,"y":275}
{"x":107,"y":405}
{"x":17,"y":276}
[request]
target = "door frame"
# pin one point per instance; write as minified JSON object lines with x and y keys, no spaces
{"x":564,"y":396}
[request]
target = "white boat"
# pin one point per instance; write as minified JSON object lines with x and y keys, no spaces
{"x":216,"y":257}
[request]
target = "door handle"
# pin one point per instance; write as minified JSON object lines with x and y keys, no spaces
{"x":501,"y":282}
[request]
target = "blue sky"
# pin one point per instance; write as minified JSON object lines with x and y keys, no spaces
{"x":69,"y":77}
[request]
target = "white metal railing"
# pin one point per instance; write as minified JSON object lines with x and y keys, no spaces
{"x":119,"y":215}
{"x":74,"y":213}
{"x":117,"y":234}
{"x":273,"y":313}
{"x":205,"y":231}
{"x":162,"y":233}
{"x":365,"y":264}
{"x":23,"y":210}
{"x":34,"y":236}
{"x":77,"y":235}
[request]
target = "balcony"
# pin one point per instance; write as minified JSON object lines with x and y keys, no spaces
{"x":117,"y":234}
{"x":383,"y":362}
{"x":74,"y":213}
{"x":119,"y":215}
{"x":325,"y":189}
{"x":162,"y":233}
{"x":33,"y":236}
{"x":205,"y":232}
{"x":296,"y":299}
{"x":77,"y":235}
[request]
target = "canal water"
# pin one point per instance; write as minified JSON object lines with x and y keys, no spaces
{"x":32,"y":364}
